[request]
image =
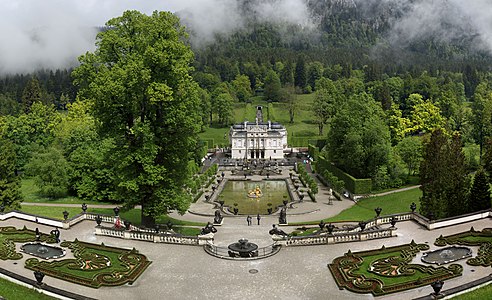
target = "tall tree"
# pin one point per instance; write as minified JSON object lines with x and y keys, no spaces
{"x":487,"y":158}
{"x":272,"y":86}
{"x":32,"y":93}
{"x":315,"y":72}
{"x":410,"y":151}
{"x":242,"y":87}
{"x":287,"y":74}
{"x":359,"y":140}
{"x":433,"y":202}
{"x":482,"y":114}
{"x":322,"y":108}
{"x":470,"y":80}
{"x":10,"y":195}
{"x":480,"y":192}
{"x":300,"y":74}
{"x":458,"y":184}
{"x":289,"y":97}
{"x":51,"y":172}
{"x":145,"y":99}
{"x":443,"y":177}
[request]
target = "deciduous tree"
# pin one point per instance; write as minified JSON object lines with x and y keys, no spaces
{"x":145,"y":99}
{"x":10,"y":195}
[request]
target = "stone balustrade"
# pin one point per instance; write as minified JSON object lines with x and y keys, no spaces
{"x":152,"y":236}
{"x":336,"y":238}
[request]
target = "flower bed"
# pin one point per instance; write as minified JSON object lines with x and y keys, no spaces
{"x":387,"y":270}
{"x":94,"y":265}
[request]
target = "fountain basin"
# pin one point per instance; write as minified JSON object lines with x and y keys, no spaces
{"x":253,"y":197}
{"x":446,"y":255}
{"x":244,"y":248}
{"x":43,"y":251}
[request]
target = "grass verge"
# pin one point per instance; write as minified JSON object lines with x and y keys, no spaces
{"x":13,"y":291}
{"x":132,"y":215}
{"x":29,"y":192}
{"x":481,"y":293}
{"x":394,"y":203}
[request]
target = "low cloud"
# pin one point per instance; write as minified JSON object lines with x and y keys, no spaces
{"x":53,"y":33}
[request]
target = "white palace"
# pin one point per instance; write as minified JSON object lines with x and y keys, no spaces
{"x":258,"y":140}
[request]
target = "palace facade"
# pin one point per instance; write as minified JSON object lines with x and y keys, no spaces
{"x":258,"y":140}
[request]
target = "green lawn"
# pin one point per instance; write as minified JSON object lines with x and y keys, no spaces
{"x":300,"y":131}
{"x":29,"y":192}
{"x":12,"y":291}
{"x":132,"y":215}
{"x":481,"y":293}
{"x":364,"y":209}
{"x":391,"y":204}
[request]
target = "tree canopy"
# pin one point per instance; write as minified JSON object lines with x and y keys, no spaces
{"x":138,"y":79}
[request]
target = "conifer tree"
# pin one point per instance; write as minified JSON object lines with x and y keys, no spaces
{"x":431,"y":167}
{"x":480,"y":192}
{"x":300,"y":76}
{"x":457,"y":184}
{"x":443,"y":177}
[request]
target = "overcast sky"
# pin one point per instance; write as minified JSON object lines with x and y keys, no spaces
{"x":53,"y":33}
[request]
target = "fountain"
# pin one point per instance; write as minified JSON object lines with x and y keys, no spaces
{"x":255,"y":193}
{"x":446,"y":255}
{"x":43,"y":250}
{"x":244,"y":248}
{"x":254,"y":197}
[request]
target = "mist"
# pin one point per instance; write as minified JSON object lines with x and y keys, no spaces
{"x":443,"y":20}
{"x":51,"y":34}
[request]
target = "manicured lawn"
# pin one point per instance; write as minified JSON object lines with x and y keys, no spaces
{"x":300,"y":131}
{"x":30,"y":193}
{"x":364,"y":209}
{"x":391,"y":204}
{"x":12,"y":291}
{"x":481,"y":293}
{"x":132,"y":215}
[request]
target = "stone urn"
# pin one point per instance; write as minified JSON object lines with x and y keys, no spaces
{"x":39,"y":277}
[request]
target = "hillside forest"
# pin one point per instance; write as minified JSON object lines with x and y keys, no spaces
{"x":418,"y":113}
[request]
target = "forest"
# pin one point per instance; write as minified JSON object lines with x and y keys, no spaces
{"x":398,"y":114}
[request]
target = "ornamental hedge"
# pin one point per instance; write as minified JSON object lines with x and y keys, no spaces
{"x":352,"y":184}
{"x":94,"y":265}
{"x":387,"y":270}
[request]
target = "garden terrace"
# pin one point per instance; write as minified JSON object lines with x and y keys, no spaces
{"x":10,"y":235}
{"x":387,"y":270}
{"x":483,"y":239}
{"x":94,"y":265}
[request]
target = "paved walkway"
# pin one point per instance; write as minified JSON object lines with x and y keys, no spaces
{"x":187,"y":272}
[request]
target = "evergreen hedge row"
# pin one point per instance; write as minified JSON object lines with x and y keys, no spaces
{"x":352,"y":184}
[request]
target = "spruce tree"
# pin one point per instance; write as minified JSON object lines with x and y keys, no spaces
{"x":457,"y":184}
{"x":10,"y":195}
{"x":300,"y":76}
{"x":431,"y":179}
{"x":31,"y":94}
{"x":480,"y":192}
{"x":487,"y":158}
{"x":443,"y":177}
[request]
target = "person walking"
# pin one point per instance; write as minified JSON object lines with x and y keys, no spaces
{"x":258,"y":218}
{"x":249,"y":219}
